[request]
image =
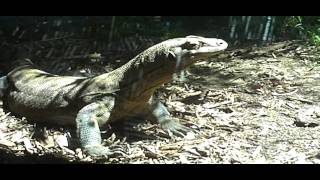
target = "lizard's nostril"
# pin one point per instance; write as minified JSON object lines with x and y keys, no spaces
{"x":220,"y":43}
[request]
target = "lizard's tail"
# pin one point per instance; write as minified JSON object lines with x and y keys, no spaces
{"x":3,"y":85}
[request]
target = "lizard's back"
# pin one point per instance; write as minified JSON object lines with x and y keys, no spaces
{"x":43,"y":96}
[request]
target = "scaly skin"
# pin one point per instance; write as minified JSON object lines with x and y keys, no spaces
{"x":90,"y":103}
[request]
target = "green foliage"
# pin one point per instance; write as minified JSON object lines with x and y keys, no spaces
{"x":305,"y":27}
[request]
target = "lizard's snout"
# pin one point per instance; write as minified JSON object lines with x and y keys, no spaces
{"x":221,"y":43}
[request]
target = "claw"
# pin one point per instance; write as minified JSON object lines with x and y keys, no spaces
{"x":174,"y":127}
{"x":99,"y":150}
{"x":177,"y":133}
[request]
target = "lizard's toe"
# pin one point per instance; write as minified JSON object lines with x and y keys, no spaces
{"x":174,"y":127}
{"x":99,"y":150}
{"x":117,"y":151}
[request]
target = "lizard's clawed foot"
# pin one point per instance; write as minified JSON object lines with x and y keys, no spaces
{"x":174,"y":127}
{"x":99,"y":150}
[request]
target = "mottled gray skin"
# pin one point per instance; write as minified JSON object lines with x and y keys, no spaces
{"x":91,"y":103}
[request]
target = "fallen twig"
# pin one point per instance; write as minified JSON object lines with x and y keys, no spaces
{"x":300,"y":99}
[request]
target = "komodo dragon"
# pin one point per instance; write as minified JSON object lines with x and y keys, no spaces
{"x":90,"y":103}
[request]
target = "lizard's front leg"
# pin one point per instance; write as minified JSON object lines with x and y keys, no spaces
{"x":88,"y":121}
{"x":158,"y":112}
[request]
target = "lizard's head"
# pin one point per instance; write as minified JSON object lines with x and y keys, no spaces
{"x":191,"y":49}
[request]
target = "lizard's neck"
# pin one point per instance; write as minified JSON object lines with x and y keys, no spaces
{"x":144,"y":73}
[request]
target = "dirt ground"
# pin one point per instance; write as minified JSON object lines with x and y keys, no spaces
{"x":250,"y":105}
